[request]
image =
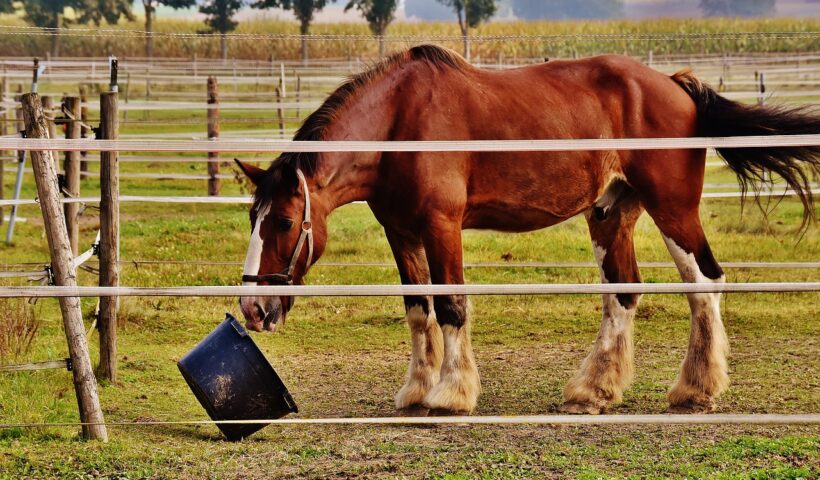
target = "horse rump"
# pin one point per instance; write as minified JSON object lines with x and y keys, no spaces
{"x":721,"y":117}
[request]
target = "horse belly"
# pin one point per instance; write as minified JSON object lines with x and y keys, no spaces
{"x":523,"y":192}
{"x":509,"y":217}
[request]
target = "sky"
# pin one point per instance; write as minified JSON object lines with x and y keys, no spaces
{"x":433,"y":10}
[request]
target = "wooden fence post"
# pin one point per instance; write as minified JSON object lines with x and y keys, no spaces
{"x":298,"y":95}
{"x":109,"y":237}
{"x":83,"y":130}
{"x":48,"y":111}
{"x":65,"y":274}
{"x":280,"y":113}
{"x":282,"y":80}
{"x":71,"y":169}
{"x":3,"y":119}
{"x":213,"y":133}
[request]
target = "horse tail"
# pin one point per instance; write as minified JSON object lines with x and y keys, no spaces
{"x":718,"y":116}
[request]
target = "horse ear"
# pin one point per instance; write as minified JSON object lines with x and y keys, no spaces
{"x":289,"y":178}
{"x":254,"y":173}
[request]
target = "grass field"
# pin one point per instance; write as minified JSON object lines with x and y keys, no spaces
{"x":346,"y":357}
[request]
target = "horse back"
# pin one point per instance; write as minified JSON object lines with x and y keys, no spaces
{"x":601,"y":97}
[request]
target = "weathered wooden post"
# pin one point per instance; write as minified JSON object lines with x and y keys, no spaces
{"x":761,"y":88}
{"x":213,"y":133}
{"x":84,"y":130}
{"x":109,"y":231}
{"x":282,"y":80}
{"x":298,"y":94}
{"x":280,"y":112}
{"x":65,"y":273}
{"x":3,"y":120}
{"x":48,"y":111}
{"x":146,"y":114}
{"x":127,"y":89}
{"x":71,"y":169}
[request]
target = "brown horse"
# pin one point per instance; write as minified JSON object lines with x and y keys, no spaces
{"x":425,"y":200}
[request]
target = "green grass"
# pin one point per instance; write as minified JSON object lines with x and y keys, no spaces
{"x":346,"y":357}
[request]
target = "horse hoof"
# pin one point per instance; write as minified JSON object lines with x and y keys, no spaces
{"x":580,"y":408}
{"x":413,"y":411}
{"x":691,"y":408}
{"x":444,"y":412}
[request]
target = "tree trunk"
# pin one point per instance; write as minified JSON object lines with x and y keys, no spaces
{"x":149,"y":30}
{"x":465,"y":33}
{"x":304,"y":28}
{"x":223,"y":39}
{"x":55,"y":37}
{"x":467,"y":45}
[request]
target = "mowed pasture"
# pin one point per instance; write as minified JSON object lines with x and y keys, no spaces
{"x":344,"y":357}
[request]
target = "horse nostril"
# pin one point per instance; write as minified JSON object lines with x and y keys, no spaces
{"x":259,"y":310}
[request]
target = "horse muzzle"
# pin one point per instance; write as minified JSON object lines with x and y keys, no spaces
{"x":262,"y":313}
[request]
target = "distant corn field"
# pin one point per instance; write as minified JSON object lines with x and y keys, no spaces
{"x":744,"y":37}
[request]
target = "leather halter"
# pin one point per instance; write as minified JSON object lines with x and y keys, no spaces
{"x":286,"y":276}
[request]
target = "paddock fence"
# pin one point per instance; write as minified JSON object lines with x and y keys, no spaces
{"x":42,"y":146}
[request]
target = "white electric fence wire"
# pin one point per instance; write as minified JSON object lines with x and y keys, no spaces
{"x":249,"y":200}
{"x":591,"y":420}
{"x":405,"y":290}
{"x":562,"y":145}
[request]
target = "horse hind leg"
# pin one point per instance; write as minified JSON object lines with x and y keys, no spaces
{"x":608,"y":369}
{"x":704,"y":373}
{"x":675,"y":209}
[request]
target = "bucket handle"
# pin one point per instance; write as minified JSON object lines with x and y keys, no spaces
{"x":236,"y":325}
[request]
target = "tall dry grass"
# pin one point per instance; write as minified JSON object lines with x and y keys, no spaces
{"x":744,"y":39}
{"x":18,"y":327}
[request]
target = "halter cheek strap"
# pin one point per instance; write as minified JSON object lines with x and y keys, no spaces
{"x":306,"y":234}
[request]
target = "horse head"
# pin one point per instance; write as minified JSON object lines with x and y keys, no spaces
{"x":288,"y":235}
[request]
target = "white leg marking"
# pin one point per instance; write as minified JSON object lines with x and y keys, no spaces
{"x":460,"y":385}
{"x":704,"y":373}
{"x":254,"y":256}
{"x":593,"y":387}
{"x":425,"y":357}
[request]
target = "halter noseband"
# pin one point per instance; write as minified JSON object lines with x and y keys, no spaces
{"x":286,"y":276}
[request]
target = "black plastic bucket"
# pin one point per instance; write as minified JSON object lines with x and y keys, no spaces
{"x":233,"y":380}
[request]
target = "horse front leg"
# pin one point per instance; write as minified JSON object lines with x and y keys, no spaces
{"x":458,"y":389}
{"x":425,"y":333}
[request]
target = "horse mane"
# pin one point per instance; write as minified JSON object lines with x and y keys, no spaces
{"x":314,"y":126}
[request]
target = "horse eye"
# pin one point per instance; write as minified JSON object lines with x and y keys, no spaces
{"x":285,"y":224}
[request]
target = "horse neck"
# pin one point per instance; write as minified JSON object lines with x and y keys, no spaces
{"x":345,"y":177}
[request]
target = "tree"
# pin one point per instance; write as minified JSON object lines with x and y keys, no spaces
{"x":150,"y":10}
{"x":378,"y":13}
{"x":219,"y":18}
{"x":470,"y":14}
{"x":7,"y":6}
{"x":736,"y":8}
{"x":51,"y":14}
{"x":109,"y":10}
{"x":564,"y":9}
{"x":304,"y":11}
